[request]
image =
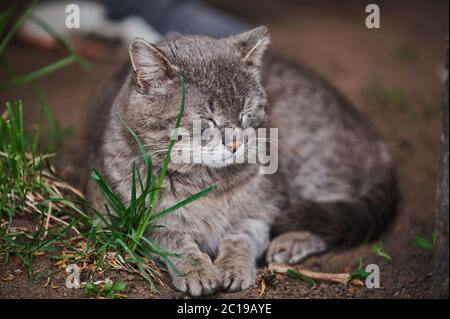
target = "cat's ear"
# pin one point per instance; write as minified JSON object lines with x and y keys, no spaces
{"x":149,"y":63}
{"x":252,"y":45}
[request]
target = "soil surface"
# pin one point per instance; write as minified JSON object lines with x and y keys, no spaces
{"x":405,"y":57}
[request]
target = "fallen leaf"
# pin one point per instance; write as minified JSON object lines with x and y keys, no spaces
{"x":39,"y":253}
{"x":62,"y":264}
{"x":262,"y":291}
{"x":357,"y":282}
{"x":47,"y":282}
{"x":8,"y":277}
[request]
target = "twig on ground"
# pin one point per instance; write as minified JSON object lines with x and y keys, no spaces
{"x":341,"y":278}
{"x":47,"y":220}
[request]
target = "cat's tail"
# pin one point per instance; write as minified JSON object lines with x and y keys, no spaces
{"x":346,"y":223}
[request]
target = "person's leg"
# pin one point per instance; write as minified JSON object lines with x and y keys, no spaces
{"x":196,"y":17}
{"x":152,"y":11}
{"x":185,"y":16}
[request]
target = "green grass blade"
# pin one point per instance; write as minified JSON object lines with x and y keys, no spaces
{"x":24,"y":79}
{"x":16,"y":26}
{"x":184,"y":202}
{"x":165,"y":165}
{"x":5,"y":15}
{"x":60,"y":40}
{"x":110,"y":196}
{"x":422,"y":242}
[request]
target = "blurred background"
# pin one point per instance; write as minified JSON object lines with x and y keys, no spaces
{"x":393,"y":75}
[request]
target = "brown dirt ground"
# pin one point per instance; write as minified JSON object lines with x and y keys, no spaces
{"x":407,"y":52}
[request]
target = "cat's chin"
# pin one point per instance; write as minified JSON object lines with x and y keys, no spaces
{"x":217,"y":164}
{"x":219,"y":160}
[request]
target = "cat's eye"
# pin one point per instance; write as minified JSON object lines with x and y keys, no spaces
{"x":245,"y":116}
{"x":210,"y":106}
{"x":245,"y":119}
{"x":209,"y":119}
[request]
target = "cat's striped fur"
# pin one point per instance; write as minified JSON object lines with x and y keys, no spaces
{"x":335,"y":183}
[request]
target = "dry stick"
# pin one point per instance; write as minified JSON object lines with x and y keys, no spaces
{"x":68,"y":187}
{"x":47,"y":221}
{"x":116,"y":261}
{"x":341,"y":278}
{"x":52,"y":182}
{"x":51,"y":216}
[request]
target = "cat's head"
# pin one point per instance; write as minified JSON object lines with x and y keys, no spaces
{"x":223,"y":90}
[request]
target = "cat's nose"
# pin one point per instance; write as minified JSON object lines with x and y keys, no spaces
{"x":233,"y":146}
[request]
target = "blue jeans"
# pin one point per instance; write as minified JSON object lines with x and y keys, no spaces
{"x":185,"y":16}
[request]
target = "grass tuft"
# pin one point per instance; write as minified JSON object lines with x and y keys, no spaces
{"x":126,"y":226}
{"x":295,"y":275}
{"x":378,"y":250}
{"x":27,"y":183}
{"x":360,"y":272}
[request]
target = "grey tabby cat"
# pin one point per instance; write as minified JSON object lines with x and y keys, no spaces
{"x":334,"y":186}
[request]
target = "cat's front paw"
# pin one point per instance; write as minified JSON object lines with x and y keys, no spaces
{"x":238,"y":274}
{"x":197,"y":280}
